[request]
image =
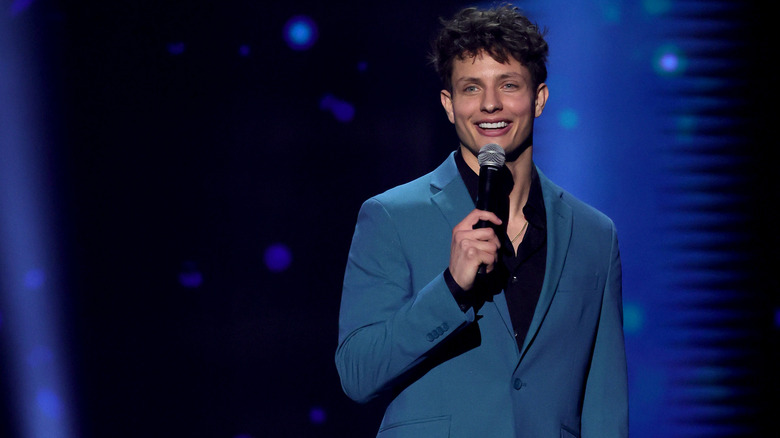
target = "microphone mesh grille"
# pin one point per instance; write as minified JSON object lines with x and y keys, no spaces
{"x":491,"y":155}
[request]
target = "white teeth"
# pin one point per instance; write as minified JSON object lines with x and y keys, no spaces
{"x":493,"y":125}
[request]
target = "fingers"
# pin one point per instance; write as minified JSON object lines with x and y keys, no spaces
{"x":475,"y":216}
{"x":473,"y":247}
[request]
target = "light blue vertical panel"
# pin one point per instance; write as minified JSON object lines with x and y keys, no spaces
{"x":34,"y":360}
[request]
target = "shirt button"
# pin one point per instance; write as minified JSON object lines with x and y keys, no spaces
{"x":514,"y":279}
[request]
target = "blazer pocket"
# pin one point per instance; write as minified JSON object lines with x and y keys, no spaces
{"x":435,"y":427}
{"x":571,"y":283}
{"x":568,"y":433}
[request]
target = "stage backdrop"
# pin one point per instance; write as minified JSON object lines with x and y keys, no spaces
{"x":179,"y":183}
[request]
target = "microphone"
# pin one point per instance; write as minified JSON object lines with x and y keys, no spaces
{"x":491,"y":159}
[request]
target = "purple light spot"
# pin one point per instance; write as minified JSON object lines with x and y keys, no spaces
{"x":362,"y":66}
{"x":49,"y":403}
{"x":343,"y":111}
{"x":300,"y":32}
{"x":19,"y":6}
{"x":278,"y":257}
{"x":190,"y":277}
{"x":191,"y":280}
{"x":777,"y":318}
{"x":317,"y":415}
{"x":176,"y":48}
{"x":34,"y":279}
{"x":244,"y":50}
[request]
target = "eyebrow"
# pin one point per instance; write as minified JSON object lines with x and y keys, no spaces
{"x":500,"y":77}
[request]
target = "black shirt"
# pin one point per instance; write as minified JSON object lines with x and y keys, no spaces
{"x":520,"y":275}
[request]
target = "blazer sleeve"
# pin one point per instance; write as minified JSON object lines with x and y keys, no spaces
{"x":386,"y":327}
{"x":605,"y":404}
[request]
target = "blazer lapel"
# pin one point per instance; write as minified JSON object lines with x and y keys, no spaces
{"x":449,"y":192}
{"x":559,"y":226}
{"x":453,"y":199}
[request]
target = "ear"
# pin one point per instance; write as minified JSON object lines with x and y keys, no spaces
{"x":542,"y":93}
{"x":446,"y":102}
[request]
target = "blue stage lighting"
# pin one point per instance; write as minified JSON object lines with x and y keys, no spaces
{"x":19,"y":6}
{"x":657,"y":7}
{"x":300,"y":32}
{"x":36,"y":355}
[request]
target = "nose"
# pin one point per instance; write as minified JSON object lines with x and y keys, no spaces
{"x":491,"y":101}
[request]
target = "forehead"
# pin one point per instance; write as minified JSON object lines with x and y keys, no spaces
{"x":483,"y":66}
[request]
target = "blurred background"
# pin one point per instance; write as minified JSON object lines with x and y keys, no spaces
{"x":179,"y":183}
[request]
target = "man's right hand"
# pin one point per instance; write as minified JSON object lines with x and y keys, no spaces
{"x":471,"y":248}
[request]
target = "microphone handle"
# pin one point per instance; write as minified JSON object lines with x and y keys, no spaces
{"x":486,"y":200}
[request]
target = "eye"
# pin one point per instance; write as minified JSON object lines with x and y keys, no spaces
{"x":470,"y":89}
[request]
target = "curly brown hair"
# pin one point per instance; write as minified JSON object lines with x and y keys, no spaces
{"x":501,"y":32}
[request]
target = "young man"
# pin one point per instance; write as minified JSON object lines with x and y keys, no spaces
{"x":534,"y":348}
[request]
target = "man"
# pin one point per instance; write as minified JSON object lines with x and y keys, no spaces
{"x":534,"y":348}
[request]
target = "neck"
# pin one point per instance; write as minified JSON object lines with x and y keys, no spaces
{"x":520,"y":168}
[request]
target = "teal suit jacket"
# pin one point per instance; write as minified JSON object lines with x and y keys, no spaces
{"x":446,"y":373}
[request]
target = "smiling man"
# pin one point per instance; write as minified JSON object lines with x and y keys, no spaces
{"x":534,"y":348}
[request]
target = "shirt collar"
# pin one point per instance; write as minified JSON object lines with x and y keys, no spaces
{"x":533,"y":210}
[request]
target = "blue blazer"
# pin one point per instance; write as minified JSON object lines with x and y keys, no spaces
{"x":446,"y":373}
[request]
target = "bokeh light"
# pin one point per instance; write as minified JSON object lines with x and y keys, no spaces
{"x":176,"y":48}
{"x":633,"y":318}
{"x":343,"y":111}
{"x":300,"y":32}
{"x":317,"y":415}
{"x":669,"y":60}
{"x":278,"y":257}
{"x":568,"y":119}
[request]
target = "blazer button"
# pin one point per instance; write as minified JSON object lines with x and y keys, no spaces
{"x":518,"y":384}
{"x":430,"y":337}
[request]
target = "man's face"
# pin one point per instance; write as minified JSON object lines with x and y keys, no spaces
{"x":493,"y":102}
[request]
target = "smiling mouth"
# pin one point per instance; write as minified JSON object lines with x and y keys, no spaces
{"x":496,"y":125}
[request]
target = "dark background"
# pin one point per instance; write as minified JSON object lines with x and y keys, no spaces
{"x":167,"y":152}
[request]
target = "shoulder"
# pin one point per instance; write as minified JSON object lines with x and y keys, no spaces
{"x":418,"y":192}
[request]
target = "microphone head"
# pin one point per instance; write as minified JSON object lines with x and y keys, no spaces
{"x":491,"y":155}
